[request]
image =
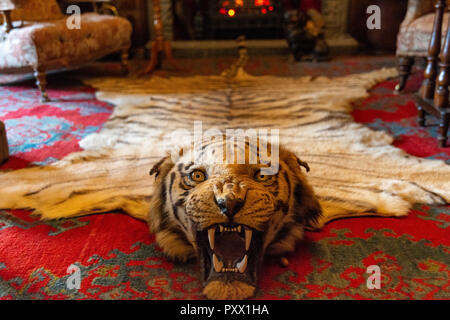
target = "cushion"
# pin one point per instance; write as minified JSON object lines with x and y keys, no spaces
{"x":51,"y":42}
{"x":414,"y":39}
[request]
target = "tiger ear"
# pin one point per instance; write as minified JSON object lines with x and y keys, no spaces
{"x":156,"y":169}
{"x":157,"y":213}
{"x":167,"y":160}
{"x":302,"y":163}
{"x":307,"y":209}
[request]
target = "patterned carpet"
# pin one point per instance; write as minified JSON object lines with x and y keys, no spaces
{"x":118,"y":258}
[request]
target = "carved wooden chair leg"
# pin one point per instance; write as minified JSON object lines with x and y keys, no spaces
{"x":124,"y":61}
{"x":404,"y":69}
{"x":428,"y":85}
{"x":41,"y":82}
{"x":443,"y":130}
{"x":442,"y":93}
{"x":4,"y":150}
{"x":421,"y":115}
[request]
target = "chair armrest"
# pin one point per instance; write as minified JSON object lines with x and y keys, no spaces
{"x":416,"y":9}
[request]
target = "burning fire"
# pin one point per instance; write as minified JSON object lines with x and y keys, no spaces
{"x":232,"y":8}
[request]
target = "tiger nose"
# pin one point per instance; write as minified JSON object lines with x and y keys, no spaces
{"x":230,"y":206}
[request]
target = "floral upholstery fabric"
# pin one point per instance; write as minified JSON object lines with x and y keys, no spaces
{"x":51,"y":44}
{"x":414,"y":39}
{"x":415,"y":31}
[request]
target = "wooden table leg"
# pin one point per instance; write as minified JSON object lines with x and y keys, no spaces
{"x":4,"y":150}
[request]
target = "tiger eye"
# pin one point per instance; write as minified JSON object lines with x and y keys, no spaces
{"x":197,"y":176}
{"x":261,"y":177}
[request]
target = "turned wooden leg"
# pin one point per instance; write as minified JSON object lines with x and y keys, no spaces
{"x":404,"y":70}
{"x":442,"y":92}
{"x":443,"y":130}
{"x":4,"y":150}
{"x":428,"y":85}
{"x":155,"y":59}
{"x":169,"y":56}
{"x":421,"y":116}
{"x":124,"y":61}
{"x":41,"y":82}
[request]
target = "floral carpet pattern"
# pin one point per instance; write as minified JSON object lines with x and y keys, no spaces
{"x":119,"y":259}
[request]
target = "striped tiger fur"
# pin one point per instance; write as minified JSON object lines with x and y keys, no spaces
{"x":354,"y":170}
{"x":369,"y":175}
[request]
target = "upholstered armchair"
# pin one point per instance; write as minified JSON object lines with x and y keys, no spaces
{"x":35,"y":37}
{"x":414,"y":36}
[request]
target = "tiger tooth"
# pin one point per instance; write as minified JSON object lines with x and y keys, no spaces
{"x":218,"y":265}
{"x":239,"y":228}
{"x":242,"y":265}
{"x":221,"y":228}
{"x":248,"y":238}
{"x":211,"y":233}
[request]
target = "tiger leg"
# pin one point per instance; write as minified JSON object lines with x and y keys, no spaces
{"x":332,"y":212}
{"x":175,"y":246}
{"x":286,"y":240}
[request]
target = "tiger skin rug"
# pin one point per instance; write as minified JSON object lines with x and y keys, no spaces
{"x":354,"y":171}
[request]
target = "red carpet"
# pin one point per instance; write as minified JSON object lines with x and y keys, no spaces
{"x":117,"y":256}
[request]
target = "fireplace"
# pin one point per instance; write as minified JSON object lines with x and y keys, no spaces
{"x":227,"y":19}
{"x":257,"y":19}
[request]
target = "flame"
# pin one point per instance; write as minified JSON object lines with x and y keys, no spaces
{"x":259,"y":3}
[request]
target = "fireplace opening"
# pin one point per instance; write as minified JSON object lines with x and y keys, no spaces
{"x":256,"y":19}
{"x":227,"y":19}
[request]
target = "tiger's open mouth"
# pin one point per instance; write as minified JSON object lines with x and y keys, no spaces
{"x":229,"y":253}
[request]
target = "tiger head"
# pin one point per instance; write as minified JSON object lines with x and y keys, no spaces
{"x":229,"y":214}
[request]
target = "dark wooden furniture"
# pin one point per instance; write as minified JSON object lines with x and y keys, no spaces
{"x":433,"y":96}
{"x":412,"y":39}
{"x":160,"y":45}
{"x":4,"y":151}
{"x":136,"y":11}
